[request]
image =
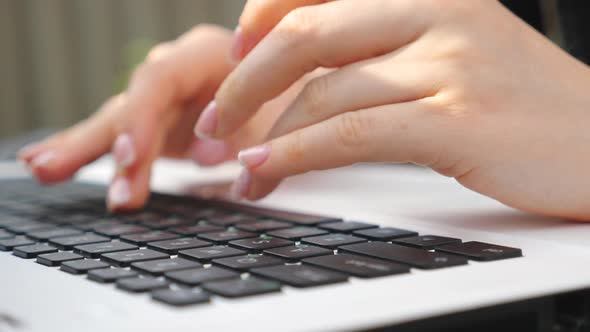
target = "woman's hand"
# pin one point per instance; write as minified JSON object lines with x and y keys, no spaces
{"x":154,"y":117}
{"x":463,"y":87}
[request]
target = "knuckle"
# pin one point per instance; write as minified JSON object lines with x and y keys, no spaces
{"x":313,"y":96}
{"x":151,"y":71}
{"x":295,"y":150}
{"x":352,"y":129}
{"x":298,"y":27}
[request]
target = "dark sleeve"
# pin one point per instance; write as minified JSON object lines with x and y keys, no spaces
{"x":575,"y":25}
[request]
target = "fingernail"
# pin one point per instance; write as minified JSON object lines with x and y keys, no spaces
{"x":241,"y":185}
{"x":254,"y":156}
{"x":124,"y":151}
{"x":42,"y":159}
{"x":207,"y":121}
{"x":237,"y":48}
{"x":210,"y":152}
{"x":27,"y":149}
{"x":119,"y":193}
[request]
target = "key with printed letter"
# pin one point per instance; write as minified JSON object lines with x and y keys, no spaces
{"x":172,"y":247}
{"x":480,"y":251}
{"x":260,"y":243}
{"x":247,"y":262}
{"x":300,"y":275}
{"x":358,"y":266}
{"x":97,"y":249}
{"x":297,"y":252}
{"x":208,"y":253}
{"x":332,"y":241}
{"x":159,"y":266}
{"x":124,"y":258}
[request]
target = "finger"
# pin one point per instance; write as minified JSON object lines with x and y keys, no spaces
{"x":393,"y":133}
{"x":258,"y":19}
{"x":308,"y":38}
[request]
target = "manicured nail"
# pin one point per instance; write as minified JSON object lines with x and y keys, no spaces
{"x":25,"y":151}
{"x":241,"y":185}
{"x":124,"y":151}
{"x":237,"y":48}
{"x":254,"y":156}
{"x":119,"y":193}
{"x":42,"y":159}
{"x":210,"y":152}
{"x":207,"y":121}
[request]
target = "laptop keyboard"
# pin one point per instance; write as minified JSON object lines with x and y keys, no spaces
{"x":186,"y":251}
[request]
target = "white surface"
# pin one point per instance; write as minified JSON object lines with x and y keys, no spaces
{"x":556,"y":259}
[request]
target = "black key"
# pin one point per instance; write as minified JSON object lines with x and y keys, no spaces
{"x":142,"y":238}
{"x":297,"y":252}
{"x":31,"y":251}
{"x":242,"y":287}
{"x":481,"y":251}
{"x":332,"y":240}
{"x":92,"y":226}
{"x":194,"y":277}
{"x":231,"y":219}
{"x":180,"y":297}
{"x":9,"y":244}
{"x":300,"y":275}
{"x":137,"y":285}
{"x":111,"y":274}
{"x":6,"y":221}
{"x":22,"y":228}
{"x":297,"y":233}
{"x":172,"y":247}
{"x":5,"y":235}
{"x":358,"y":266}
{"x":297,"y":218}
{"x":56,"y":258}
{"x":427,"y":242}
{"x":263,"y":226}
{"x":124,"y":258}
{"x":209,"y":253}
{"x":82,"y":266}
{"x":405,"y":255}
{"x":67,"y":243}
{"x":226,"y":236}
{"x":96,"y":249}
{"x":196,"y":229}
{"x":160,"y":266}
{"x":346,"y":226}
{"x":247,"y":262}
{"x":116,"y":231}
{"x":261,"y":243}
{"x":384,"y":234}
{"x":53,"y":233}
{"x":166,"y":222}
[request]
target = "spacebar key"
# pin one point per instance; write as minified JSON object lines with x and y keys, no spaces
{"x":419,"y":258}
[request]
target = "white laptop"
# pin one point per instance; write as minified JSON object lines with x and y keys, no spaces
{"x":372,"y":246}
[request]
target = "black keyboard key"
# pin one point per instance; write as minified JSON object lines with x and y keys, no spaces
{"x":67,"y":243}
{"x":96,"y":249}
{"x":23,"y":228}
{"x":300,"y":275}
{"x":31,"y":251}
{"x":405,"y":255}
{"x":5,"y":235}
{"x":261,"y":243}
{"x":124,"y":258}
{"x":82,"y":266}
{"x":427,"y":242}
{"x":231,"y":219}
{"x":358,"y":266}
{"x":180,"y":297}
{"x":296,"y":233}
{"x":172,"y":247}
{"x":247,"y":262}
{"x":384,"y":234}
{"x":142,"y":238}
{"x":332,"y":240}
{"x":263,"y":226}
{"x":53,"y":233}
{"x":9,"y":244}
{"x":226,"y":236}
{"x":194,"y":277}
{"x":116,"y":231}
{"x":163,"y":223}
{"x":196,"y":229}
{"x":294,"y":217}
{"x":57,"y":258}
{"x":481,"y":251}
{"x":297,"y":252}
{"x":208,"y":253}
{"x":111,"y":274}
{"x":242,"y":287}
{"x":6,"y":221}
{"x":160,"y":266}
{"x":346,"y":226}
{"x":92,"y":226}
{"x":137,"y":285}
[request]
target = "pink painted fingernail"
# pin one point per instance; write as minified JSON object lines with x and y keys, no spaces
{"x":25,"y":151}
{"x":241,"y":185}
{"x":42,"y":159}
{"x":124,"y":151}
{"x":207,"y":123}
{"x":210,"y":152}
{"x":119,"y":193}
{"x":254,"y":156}
{"x":237,"y":48}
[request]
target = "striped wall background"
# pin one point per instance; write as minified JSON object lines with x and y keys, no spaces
{"x":59,"y":59}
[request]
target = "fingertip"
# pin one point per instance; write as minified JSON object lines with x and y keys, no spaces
{"x":48,"y":169}
{"x":28,"y":152}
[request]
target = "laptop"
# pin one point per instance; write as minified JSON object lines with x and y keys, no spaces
{"x":365,"y":247}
